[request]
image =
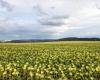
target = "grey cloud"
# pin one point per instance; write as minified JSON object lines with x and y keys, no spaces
{"x":46,"y":18}
{"x":25,"y":34}
{"x":15,"y":30}
{"x":97,"y":6}
{"x":6,"y":5}
{"x":39,"y":10}
{"x":49,"y":12}
{"x":51,"y":19}
{"x":54,"y":21}
{"x":61,"y":17}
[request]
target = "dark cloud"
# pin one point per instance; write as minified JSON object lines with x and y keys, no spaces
{"x":51,"y":23}
{"x":54,"y":21}
{"x":24,"y":33}
{"x":61,"y":17}
{"x":6,"y":5}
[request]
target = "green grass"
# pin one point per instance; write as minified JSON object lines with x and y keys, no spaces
{"x":65,"y":60}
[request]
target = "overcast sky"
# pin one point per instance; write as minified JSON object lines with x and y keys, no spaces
{"x":43,"y":19}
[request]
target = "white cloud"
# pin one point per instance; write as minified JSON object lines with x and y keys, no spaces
{"x":49,"y":18}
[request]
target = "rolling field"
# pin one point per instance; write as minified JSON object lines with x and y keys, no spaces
{"x":74,"y":60}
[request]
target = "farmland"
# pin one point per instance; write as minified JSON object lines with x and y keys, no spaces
{"x":74,"y":60}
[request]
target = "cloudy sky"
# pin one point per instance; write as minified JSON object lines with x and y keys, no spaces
{"x":43,"y":19}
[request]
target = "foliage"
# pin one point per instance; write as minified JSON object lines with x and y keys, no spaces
{"x":50,"y":61}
